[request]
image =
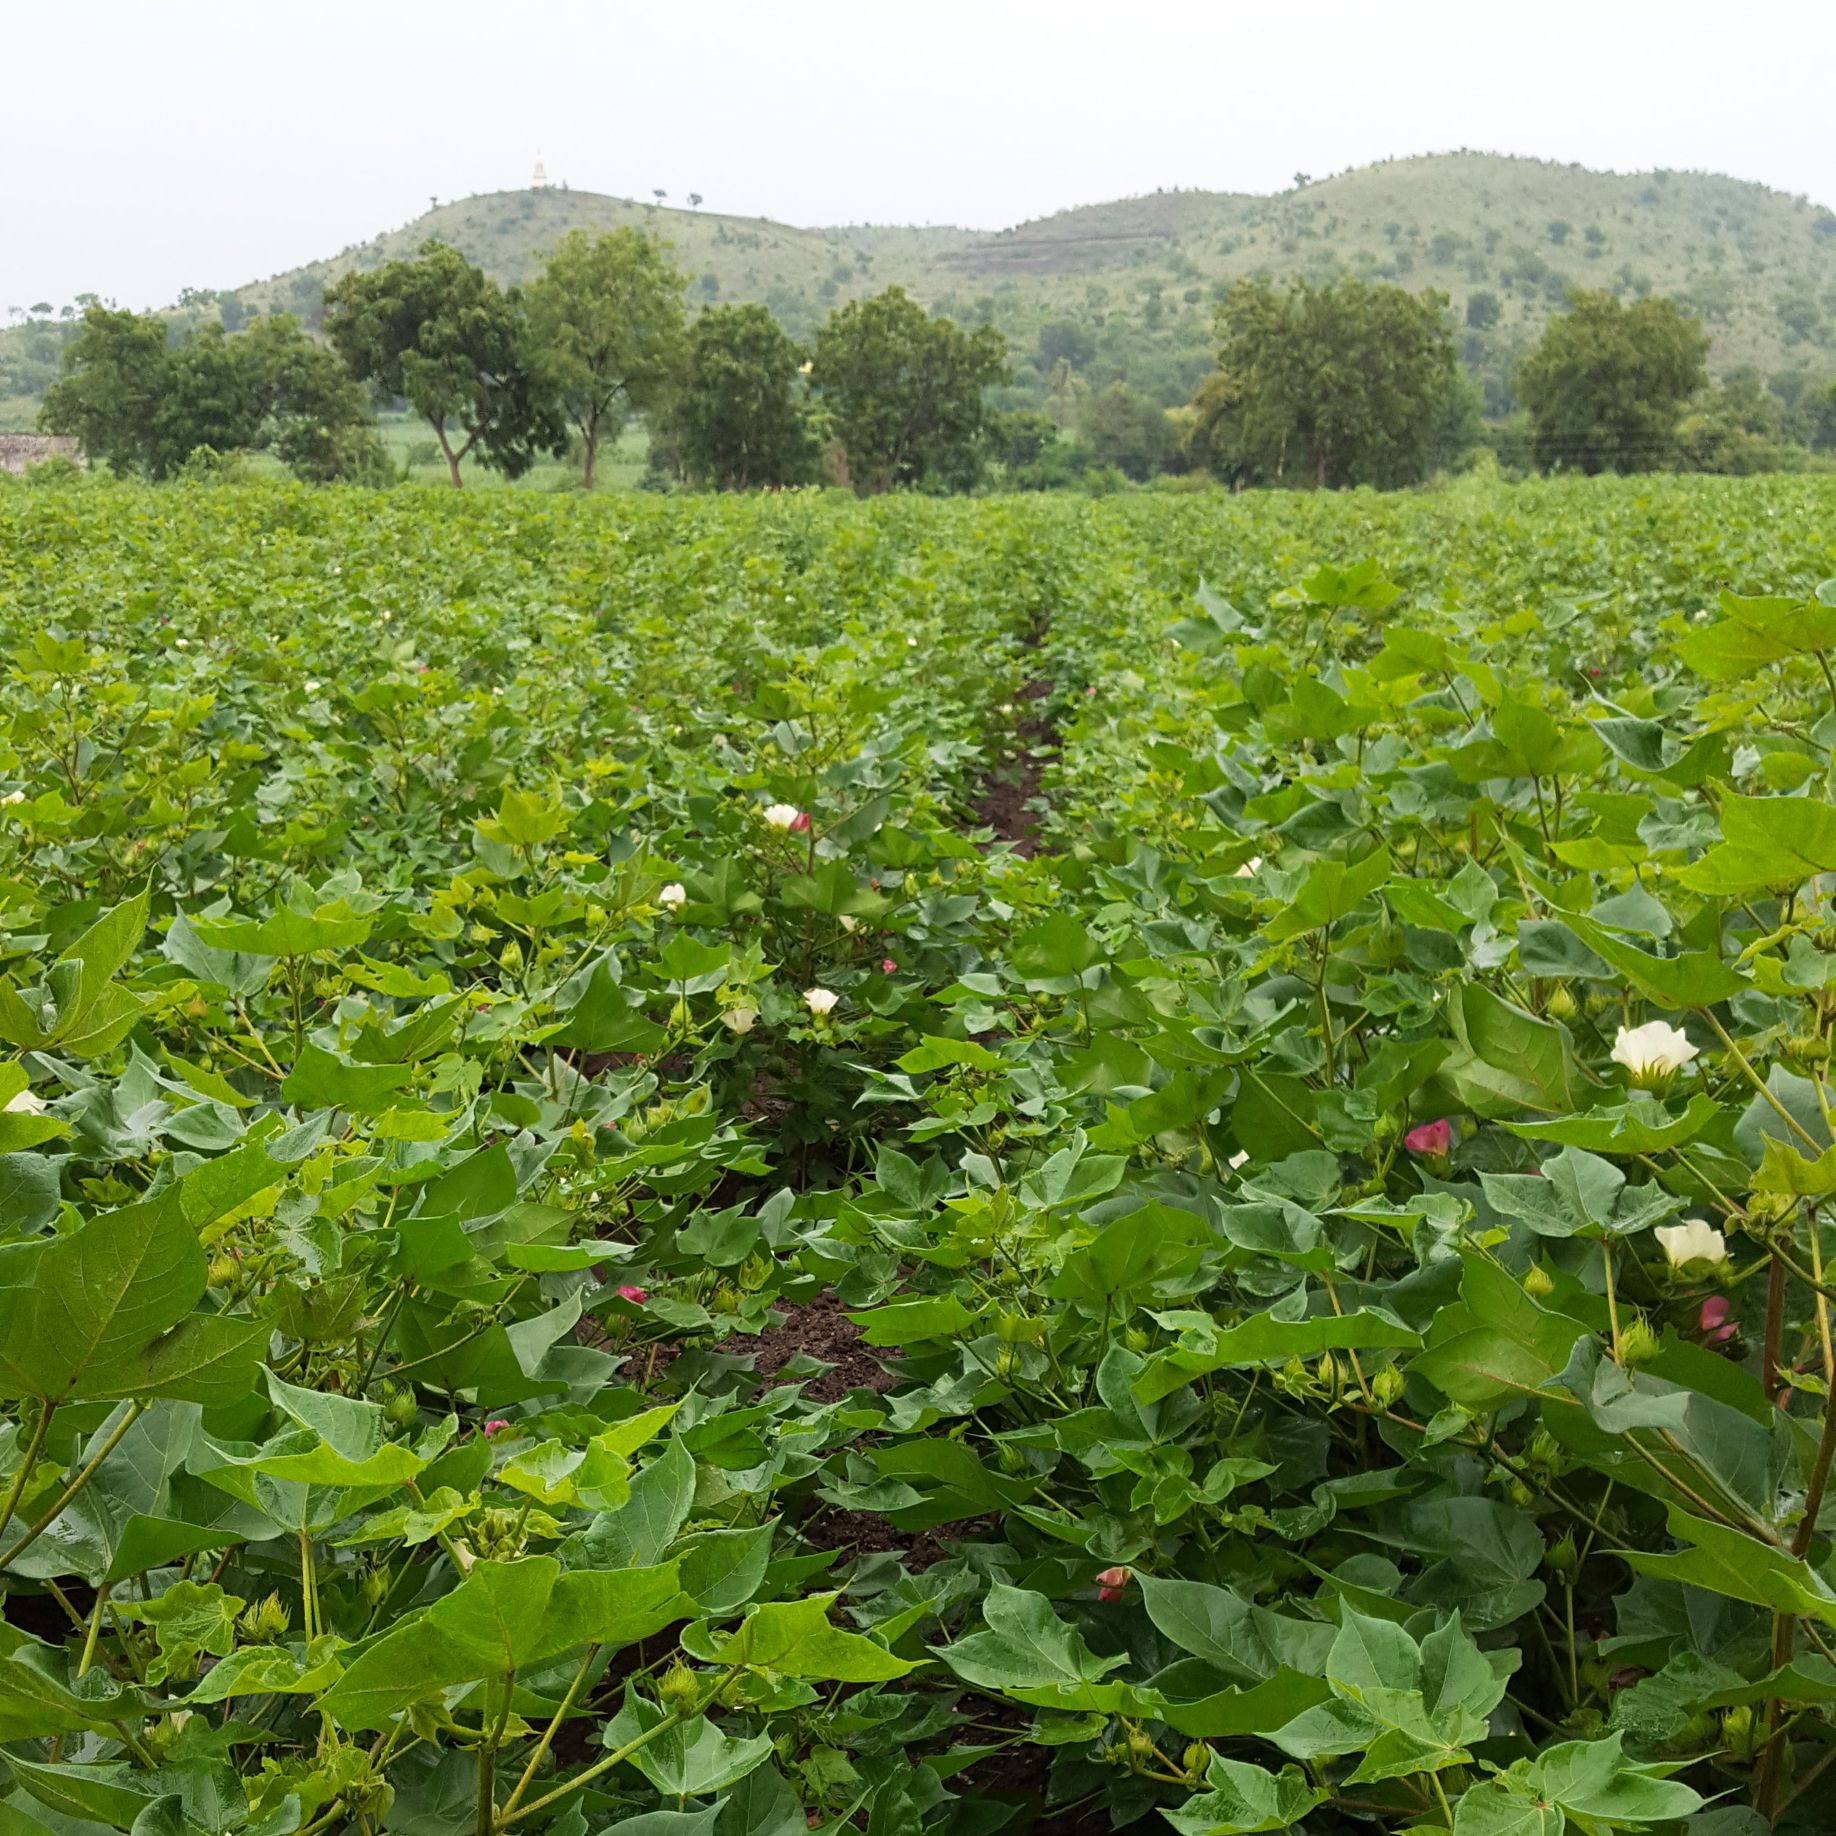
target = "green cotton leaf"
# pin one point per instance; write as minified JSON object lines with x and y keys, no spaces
{"x":1131,"y":1255}
{"x":1767,"y":843}
{"x":1026,"y":1651}
{"x":322,"y":1080}
{"x":107,"y":1312}
{"x":1578,"y":1194}
{"x":910,"y":1322}
{"x":1786,"y":1171}
{"x":524,"y":819}
{"x":40,"y":1699}
{"x":109,"y":1794}
{"x":935,"y":1052}
{"x":1500,"y":1807}
{"x":189,"y":1621}
{"x":1332,"y":890}
{"x":1260,"y":1709}
{"x":1752,"y":633}
{"x":503,"y":1616}
{"x":1641,"y":1125}
{"x":1054,"y":956}
{"x":794,"y":1638}
{"x":153,"y":1542}
{"x":1496,"y":1343}
{"x":1594,"y":1779}
{"x":1740,"y":1567}
{"x":636,"y":1534}
{"x":1209,"y":1622}
{"x":690,"y":1759}
{"x":287,"y":932}
{"x":1264,"y":1339}
{"x":1650,"y":752}
{"x":1694,"y":979}
{"x":345,"y":1441}
{"x":1241,"y":1800}
{"x":1532,"y":1053}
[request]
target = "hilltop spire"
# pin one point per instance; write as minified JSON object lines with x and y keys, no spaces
{"x":539,"y":179}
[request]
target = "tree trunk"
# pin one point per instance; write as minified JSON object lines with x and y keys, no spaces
{"x":452,"y":458}
{"x":589,"y":434}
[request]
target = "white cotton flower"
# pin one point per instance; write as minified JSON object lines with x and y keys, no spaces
{"x":739,"y":1019}
{"x":850,"y":925}
{"x":13,"y":796}
{"x":1239,"y":1159}
{"x":1653,"y":1053}
{"x":820,"y":1001}
{"x":1250,"y":868}
{"x":26,"y":1104}
{"x":780,"y":815}
{"x":1692,"y":1241}
{"x":312,"y":688}
{"x":673,"y":897}
{"x":182,"y":643}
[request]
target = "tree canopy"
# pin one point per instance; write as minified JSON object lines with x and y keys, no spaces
{"x":606,"y":314}
{"x":1338,"y":384}
{"x":737,"y":418}
{"x":905,"y":391}
{"x":146,"y":403}
{"x":441,"y":334}
{"x":1607,"y":384}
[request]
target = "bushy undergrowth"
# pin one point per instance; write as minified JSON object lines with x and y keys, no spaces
{"x":583,"y":1248}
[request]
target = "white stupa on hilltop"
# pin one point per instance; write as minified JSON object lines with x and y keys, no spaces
{"x":538,"y":180}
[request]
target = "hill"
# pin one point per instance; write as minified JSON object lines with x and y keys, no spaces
{"x":1126,"y":289}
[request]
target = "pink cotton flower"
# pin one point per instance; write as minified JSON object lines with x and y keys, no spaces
{"x":1431,"y":1138}
{"x":1111,"y":1582}
{"x":887,"y":965}
{"x":1714,"y":1320}
{"x":1090,"y":692}
{"x":636,"y":1296}
{"x":801,"y":822}
{"x":494,"y":1425}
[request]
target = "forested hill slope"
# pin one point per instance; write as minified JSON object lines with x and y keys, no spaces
{"x":1127,"y":288}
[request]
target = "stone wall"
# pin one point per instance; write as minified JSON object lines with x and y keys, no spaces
{"x":18,"y":450}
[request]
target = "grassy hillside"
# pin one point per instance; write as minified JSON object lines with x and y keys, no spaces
{"x":1137,"y":279}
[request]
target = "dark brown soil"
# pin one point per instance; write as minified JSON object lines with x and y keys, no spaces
{"x":1004,"y":805}
{"x":819,"y":1330}
{"x":865,"y":1533}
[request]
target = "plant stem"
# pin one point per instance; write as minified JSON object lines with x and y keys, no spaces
{"x":1759,"y":1084}
{"x":28,"y":1461}
{"x":1775,"y":1328}
{"x":1612,"y":1300}
{"x":553,"y":1728}
{"x":31,"y":1536}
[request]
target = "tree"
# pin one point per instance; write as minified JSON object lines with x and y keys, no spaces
{"x":1341,"y":384}
{"x":1483,"y":310}
{"x":905,"y":391}
{"x":735,"y":420}
{"x":1126,"y":430}
{"x":146,"y":403}
{"x":440,"y":333}
{"x":606,"y":315}
{"x":115,"y":376}
{"x":1607,"y":383}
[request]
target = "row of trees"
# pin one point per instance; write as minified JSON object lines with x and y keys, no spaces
{"x":1351,"y":383}
{"x":888,"y":395}
{"x":1324,"y":385}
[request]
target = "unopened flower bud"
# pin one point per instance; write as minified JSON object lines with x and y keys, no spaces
{"x":680,"y":1690}
{"x":1387,"y":1386}
{"x":1539,"y":1284}
{"x":1561,"y":1558}
{"x":266,"y":1622}
{"x":1560,"y":1005}
{"x":1195,"y":1759}
{"x":1638,"y":1344}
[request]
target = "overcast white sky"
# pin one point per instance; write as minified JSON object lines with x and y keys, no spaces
{"x":206,"y":143}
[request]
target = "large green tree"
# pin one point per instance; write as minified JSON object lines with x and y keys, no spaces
{"x":606,"y":314}
{"x":145,"y":402}
{"x":905,"y":391}
{"x":736,"y":418}
{"x":1332,"y":385}
{"x":1607,"y":384}
{"x":116,"y":371}
{"x":444,"y":336}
